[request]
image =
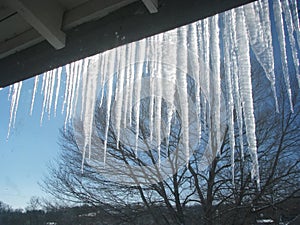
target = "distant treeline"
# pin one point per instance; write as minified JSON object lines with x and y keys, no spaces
{"x":89,"y":215}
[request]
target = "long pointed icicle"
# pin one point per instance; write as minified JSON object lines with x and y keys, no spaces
{"x":215,"y":85}
{"x":127,"y":85}
{"x":131,"y":81}
{"x":89,"y":103}
{"x":182,"y":83}
{"x":206,"y":76}
{"x":78,"y":73}
{"x":36,"y":82}
{"x":227,"y":40}
{"x":158,"y":98}
{"x":59,"y":71}
{"x":246,"y":89}
{"x":169,"y":79}
{"x":104,"y":77}
{"x":259,"y":28}
{"x":282,"y":45}
{"x":9,"y":92}
{"x":15,"y":96}
{"x":68,"y":94}
{"x":46,"y":79}
{"x":194,"y":68}
{"x":17,"y":103}
{"x":140,"y":54}
{"x":206,"y":49}
{"x":109,"y":93}
{"x":151,"y":111}
{"x":75,"y":75}
{"x":290,"y":29}
{"x":67,"y":67}
{"x":84,"y":86}
{"x":203,"y":45}
{"x":235,"y":82}
{"x":71,"y":93}
{"x":119,"y":93}
{"x":295,"y":17}
{"x":51,"y":91}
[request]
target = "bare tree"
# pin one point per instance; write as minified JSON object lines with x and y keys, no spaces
{"x":220,"y":200}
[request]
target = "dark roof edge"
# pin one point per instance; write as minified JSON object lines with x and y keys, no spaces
{"x":123,"y":26}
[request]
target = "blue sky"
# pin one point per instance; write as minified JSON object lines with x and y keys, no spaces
{"x":25,"y":155}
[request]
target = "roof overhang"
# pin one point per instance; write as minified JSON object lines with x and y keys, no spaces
{"x":56,"y":35}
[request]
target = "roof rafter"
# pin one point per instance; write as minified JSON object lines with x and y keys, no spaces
{"x":152,"y":5}
{"x":45,"y":16}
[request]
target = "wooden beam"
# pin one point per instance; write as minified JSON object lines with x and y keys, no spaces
{"x":92,"y":10}
{"x":152,"y":5}
{"x":45,"y":16}
{"x":20,"y":42}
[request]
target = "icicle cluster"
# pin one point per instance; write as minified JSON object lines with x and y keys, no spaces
{"x":15,"y":96}
{"x":159,"y":67}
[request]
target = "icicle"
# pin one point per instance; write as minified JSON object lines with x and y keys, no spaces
{"x":183,"y":96}
{"x":194,"y":68}
{"x":104,"y":77}
{"x":238,"y":106}
{"x":236,"y":88}
{"x":259,"y":28}
{"x":13,"y":87}
{"x":265,"y":15}
{"x":119,"y":94}
{"x":290,"y":29}
{"x":47,"y":91}
{"x":15,"y":96}
{"x":59,"y":71}
{"x":215,"y":84}
{"x":51,"y":93}
{"x":74,"y":85}
{"x":36,"y":81}
{"x":158,"y":98}
{"x":45,"y":88}
{"x":244,"y":66}
{"x":203,"y":36}
{"x":281,"y":39}
{"x":227,"y":40}
{"x":151,"y":112}
{"x":206,"y":58}
{"x":117,"y":74}
{"x":49,"y":82}
{"x":9,"y":92}
{"x":109,"y":93}
{"x":68,"y":94}
{"x":295,"y":17}
{"x":78,"y":72}
{"x":131,"y":82}
{"x":203,"y":51}
{"x":74,"y":74}
{"x":43,"y":83}
{"x":127,"y":85}
{"x":67,"y":67}
{"x":84,"y":85}
{"x":89,"y":102}
{"x":139,"y":59}
{"x":169,"y":78}
{"x":152,"y":87}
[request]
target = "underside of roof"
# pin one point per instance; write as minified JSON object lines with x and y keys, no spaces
{"x":39,"y":35}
